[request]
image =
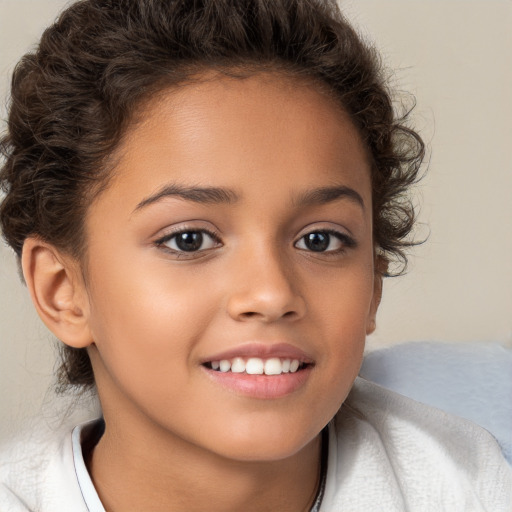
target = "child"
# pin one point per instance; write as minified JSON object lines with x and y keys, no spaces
{"x":205,"y":197}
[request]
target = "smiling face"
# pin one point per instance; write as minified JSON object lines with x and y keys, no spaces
{"x":237,"y":227}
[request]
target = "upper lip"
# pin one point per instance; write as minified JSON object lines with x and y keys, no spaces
{"x":263,"y":351}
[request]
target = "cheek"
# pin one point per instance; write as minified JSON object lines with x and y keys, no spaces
{"x":146,"y":317}
{"x":342,"y":300}
{"x":145,"y":329}
{"x":341,"y":310}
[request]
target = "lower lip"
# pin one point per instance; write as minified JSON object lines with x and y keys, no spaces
{"x":261,"y":386}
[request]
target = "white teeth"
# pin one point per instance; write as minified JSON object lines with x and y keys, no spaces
{"x":294,"y":366}
{"x":238,"y":365}
{"x":257,"y":366}
{"x":254,"y":366}
{"x":224,"y":365}
{"x":273,"y":366}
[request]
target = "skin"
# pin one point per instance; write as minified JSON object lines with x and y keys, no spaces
{"x":150,"y":315}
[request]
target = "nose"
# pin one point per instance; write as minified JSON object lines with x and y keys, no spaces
{"x":265,"y":289}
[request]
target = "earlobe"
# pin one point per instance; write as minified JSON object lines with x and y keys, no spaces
{"x":57,"y":292}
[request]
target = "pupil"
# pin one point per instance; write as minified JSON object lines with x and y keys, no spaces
{"x":190,"y":241}
{"x":317,"y":241}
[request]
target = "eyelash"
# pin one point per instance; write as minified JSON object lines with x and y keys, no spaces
{"x":346,"y":241}
{"x":160,"y":243}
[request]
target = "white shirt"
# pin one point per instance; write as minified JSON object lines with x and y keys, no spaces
{"x":387,"y":453}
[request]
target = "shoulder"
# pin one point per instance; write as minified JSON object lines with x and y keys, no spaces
{"x":388,"y":452}
{"x":37,"y":473}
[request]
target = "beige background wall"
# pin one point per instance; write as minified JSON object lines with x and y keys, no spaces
{"x":456,"y":57}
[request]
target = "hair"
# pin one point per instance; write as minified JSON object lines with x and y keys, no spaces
{"x":74,"y":97}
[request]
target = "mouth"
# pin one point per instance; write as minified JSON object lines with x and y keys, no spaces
{"x":272,"y":366}
{"x":260,"y":371}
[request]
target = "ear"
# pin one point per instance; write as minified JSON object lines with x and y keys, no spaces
{"x":380,"y":269}
{"x":58,"y":292}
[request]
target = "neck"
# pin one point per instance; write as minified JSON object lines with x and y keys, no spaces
{"x":169,"y":473}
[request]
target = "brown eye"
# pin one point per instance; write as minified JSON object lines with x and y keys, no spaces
{"x":318,"y":242}
{"x":189,"y":241}
{"x":325,"y":241}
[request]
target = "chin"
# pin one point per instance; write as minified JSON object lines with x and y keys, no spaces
{"x":263,"y":453}
{"x":264,"y":441}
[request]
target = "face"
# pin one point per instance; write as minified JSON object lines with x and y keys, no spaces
{"x":230,"y":267}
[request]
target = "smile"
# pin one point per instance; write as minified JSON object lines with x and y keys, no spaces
{"x":259,"y":377}
{"x":257,"y":366}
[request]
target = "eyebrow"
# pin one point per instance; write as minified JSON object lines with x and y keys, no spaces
{"x":219,"y":195}
{"x":325,"y":195}
{"x":204,"y":195}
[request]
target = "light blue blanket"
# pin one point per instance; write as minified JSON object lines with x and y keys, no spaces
{"x":471,"y":380}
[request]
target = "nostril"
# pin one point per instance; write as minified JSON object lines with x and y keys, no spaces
{"x":265,"y":306}
{"x":254,"y":314}
{"x":249,"y":314}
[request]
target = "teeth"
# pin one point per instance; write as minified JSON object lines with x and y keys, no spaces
{"x":273,"y":366}
{"x":254,"y":366}
{"x":257,"y":366}
{"x":238,"y":365}
{"x":224,"y":365}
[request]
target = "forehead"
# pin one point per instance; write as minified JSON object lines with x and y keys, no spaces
{"x":239,"y":132}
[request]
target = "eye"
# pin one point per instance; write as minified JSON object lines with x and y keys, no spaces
{"x":189,"y":241}
{"x":325,"y":241}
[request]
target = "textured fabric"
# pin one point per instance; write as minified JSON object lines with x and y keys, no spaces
{"x":471,"y":380}
{"x":37,"y":474}
{"x":389,"y":453}
{"x":386,"y":453}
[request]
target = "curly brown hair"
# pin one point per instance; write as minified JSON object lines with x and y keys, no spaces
{"x":74,"y":97}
